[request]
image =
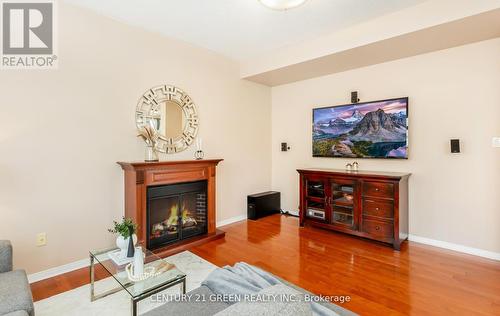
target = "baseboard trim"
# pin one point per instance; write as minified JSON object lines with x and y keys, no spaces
{"x":231,"y":220}
{"x":52,"y":272}
{"x":292,"y":212}
{"x":455,"y":247}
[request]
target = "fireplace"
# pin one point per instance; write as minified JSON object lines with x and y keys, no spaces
{"x":176,"y":212}
{"x":172,"y":202}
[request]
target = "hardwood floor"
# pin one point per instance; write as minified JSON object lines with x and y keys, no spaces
{"x":418,"y":280}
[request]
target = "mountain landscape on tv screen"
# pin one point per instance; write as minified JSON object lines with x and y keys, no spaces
{"x":365,"y":130}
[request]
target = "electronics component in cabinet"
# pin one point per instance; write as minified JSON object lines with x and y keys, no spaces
{"x":315,"y":213}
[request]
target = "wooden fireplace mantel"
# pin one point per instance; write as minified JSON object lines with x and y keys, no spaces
{"x":140,"y":175}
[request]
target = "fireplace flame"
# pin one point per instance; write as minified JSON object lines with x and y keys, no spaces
{"x":170,"y":224}
{"x":172,"y":220}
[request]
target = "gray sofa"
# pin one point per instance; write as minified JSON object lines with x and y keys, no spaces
{"x":200,"y":307}
{"x":15,"y":292}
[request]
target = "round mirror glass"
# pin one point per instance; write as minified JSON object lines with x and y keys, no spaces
{"x":170,"y":121}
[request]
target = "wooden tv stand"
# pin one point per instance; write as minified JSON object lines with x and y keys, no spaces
{"x":368,"y":204}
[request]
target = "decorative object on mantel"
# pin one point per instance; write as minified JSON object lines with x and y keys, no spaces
{"x":355,"y":166}
{"x":199,"y":154}
{"x":151,"y":154}
{"x":125,"y":229}
{"x":172,"y":115}
{"x":348,"y":167}
{"x":147,"y":133}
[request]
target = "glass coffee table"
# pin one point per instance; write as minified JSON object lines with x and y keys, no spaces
{"x":167,"y":275}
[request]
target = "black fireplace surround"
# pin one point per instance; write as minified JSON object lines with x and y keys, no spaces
{"x":175,"y":212}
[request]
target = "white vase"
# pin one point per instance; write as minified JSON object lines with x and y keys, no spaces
{"x":151,"y":154}
{"x":138,"y":262}
{"x":122,"y":243}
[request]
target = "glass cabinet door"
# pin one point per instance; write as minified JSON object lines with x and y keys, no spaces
{"x":316,"y":200}
{"x":343,"y":202}
{"x":316,"y":188}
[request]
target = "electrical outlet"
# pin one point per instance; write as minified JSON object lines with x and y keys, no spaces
{"x":495,"y":142}
{"x":41,"y":239}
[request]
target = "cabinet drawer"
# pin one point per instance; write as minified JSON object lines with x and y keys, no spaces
{"x":379,"y":208}
{"x":378,"y":230}
{"x":379,"y":189}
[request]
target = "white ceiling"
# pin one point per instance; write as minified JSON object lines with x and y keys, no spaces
{"x":242,"y":29}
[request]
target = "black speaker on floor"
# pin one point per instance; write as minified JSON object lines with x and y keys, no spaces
{"x":263,"y":204}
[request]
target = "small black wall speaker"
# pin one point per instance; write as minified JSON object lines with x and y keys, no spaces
{"x":455,"y":145}
{"x":284,"y":147}
{"x":354,"y":97}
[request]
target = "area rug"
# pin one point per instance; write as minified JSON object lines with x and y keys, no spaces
{"x":77,"y":301}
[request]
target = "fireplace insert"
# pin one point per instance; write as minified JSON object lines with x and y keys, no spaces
{"x":176,"y":212}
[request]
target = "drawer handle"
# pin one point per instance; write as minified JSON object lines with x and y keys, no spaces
{"x":376,"y":209}
{"x":377,"y":227}
{"x":376,"y":189}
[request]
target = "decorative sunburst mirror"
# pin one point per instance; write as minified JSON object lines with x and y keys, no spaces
{"x":172,"y":114}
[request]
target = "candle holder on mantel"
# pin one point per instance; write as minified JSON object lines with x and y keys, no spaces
{"x":199,"y":154}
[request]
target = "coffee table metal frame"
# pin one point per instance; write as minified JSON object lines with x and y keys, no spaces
{"x":181,"y":279}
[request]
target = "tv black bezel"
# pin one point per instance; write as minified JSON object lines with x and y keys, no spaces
{"x":360,"y":103}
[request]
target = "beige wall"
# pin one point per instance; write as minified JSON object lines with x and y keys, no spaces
{"x":453,"y":93}
{"x":63,"y":130}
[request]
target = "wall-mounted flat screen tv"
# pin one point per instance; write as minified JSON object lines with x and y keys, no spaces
{"x":377,"y":129}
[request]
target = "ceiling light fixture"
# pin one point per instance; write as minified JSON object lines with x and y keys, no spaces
{"x":282,"y":4}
